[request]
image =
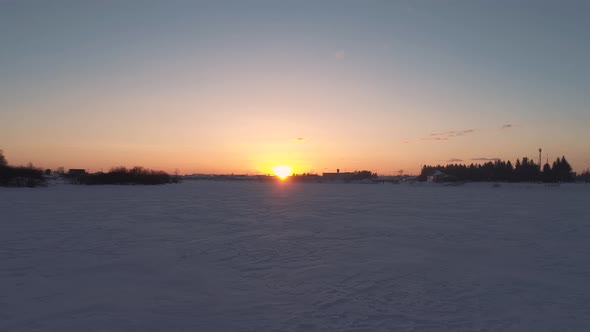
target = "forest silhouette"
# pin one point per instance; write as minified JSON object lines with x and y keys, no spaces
{"x":525,"y":170}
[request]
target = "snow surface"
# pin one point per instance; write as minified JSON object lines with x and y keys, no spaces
{"x":234,"y":256}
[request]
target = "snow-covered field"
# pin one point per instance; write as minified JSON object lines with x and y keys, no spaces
{"x":233,"y":256}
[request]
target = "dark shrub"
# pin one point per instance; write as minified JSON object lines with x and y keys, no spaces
{"x":122,"y":175}
{"x":21,"y":176}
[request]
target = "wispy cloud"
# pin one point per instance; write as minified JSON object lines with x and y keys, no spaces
{"x":298,"y":139}
{"x":454,"y":133}
{"x":506,"y":126}
{"x":484,"y":159}
{"x":434,"y":139}
{"x":454,"y":160}
{"x":340,"y":54}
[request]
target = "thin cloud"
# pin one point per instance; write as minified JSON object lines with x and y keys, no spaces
{"x":298,"y":139}
{"x":484,"y":159}
{"x":341,"y":54}
{"x":507,"y":126}
{"x":454,"y":160}
{"x":434,"y":139}
{"x":454,"y":133}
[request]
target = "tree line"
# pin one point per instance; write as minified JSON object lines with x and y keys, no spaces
{"x":584,"y":176}
{"x":30,"y":176}
{"x":525,"y":170}
{"x":122,"y":175}
{"x":345,"y":177}
{"x":20,"y":176}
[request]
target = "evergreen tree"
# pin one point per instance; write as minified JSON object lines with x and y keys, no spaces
{"x":556,"y":169}
{"x":562,"y":170}
{"x":584,"y":176}
{"x":3,"y":161}
{"x":566,"y":173}
{"x":547,"y":175}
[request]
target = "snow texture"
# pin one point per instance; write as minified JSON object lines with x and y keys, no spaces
{"x":234,"y":256}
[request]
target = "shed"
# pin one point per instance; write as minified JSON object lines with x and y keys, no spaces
{"x":437,"y":176}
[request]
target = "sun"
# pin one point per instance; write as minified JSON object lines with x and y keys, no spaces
{"x":282,"y":171}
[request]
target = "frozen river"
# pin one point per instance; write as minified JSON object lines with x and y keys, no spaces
{"x":233,"y":256}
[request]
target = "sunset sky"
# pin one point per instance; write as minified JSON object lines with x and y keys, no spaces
{"x":242,"y":86}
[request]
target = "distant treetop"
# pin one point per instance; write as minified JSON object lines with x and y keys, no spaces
{"x":524,"y":170}
{"x":3,"y":161}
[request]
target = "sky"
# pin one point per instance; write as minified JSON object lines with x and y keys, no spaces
{"x":242,"y":86}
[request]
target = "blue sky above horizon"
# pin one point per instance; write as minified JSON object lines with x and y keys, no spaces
{"x":241,"y":86}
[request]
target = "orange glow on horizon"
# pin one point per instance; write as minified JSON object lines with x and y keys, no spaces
{"x":282,"y":171}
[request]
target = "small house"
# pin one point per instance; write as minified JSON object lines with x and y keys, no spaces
{"x":437,"y":176}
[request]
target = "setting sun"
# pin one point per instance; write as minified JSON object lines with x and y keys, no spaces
{"x":282,"y":171}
